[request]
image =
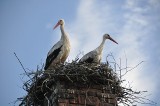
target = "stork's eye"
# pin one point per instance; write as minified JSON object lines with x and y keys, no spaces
{"x":61,"y":22}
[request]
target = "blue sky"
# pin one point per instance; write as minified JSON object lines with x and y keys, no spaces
{"x":27,"y":29}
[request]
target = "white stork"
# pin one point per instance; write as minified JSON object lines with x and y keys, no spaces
{"x":95,"y":56}
{"x":60,"y":51}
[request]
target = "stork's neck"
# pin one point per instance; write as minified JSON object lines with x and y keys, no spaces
{"x":62,"y":29}
{"x":100,"y":47}
{"x":64,"y":34}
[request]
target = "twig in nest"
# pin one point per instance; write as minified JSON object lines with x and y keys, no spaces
{"x":132,"y":68}
{"x":48,"y":102}
{"x":21,"y":64}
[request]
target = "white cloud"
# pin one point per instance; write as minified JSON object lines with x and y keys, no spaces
{"x":134,"y":33}
{"x":154,"y":3}
{"x":88,"y":27}
{"x":94,"y":19}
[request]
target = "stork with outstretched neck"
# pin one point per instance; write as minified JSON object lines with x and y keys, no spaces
{"x":60,"y":51}
{"x":95,"y":56}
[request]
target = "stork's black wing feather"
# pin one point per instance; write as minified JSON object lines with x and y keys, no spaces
{"x":89,"y":60}
{"x":51,"y":57}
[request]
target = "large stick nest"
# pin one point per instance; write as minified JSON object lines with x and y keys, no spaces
{"x":79,"y":75}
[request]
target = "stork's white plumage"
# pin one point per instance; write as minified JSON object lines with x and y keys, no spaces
{"x":60,"y":51}
{"x":95,"y":56}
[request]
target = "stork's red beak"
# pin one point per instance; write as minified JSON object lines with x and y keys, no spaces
{"x":56,"y":25}
{"x":113,"y":40}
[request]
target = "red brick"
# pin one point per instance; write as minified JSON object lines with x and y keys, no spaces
{"x":92,"y":100}
{"x":111,"y":96}
{"x":75,"y":100}
{"x":63,"y":100}
{"x":106,"y":104}
{"x":62,"y":104}
{"x":112,"y":101}
{"x":91,"y":93}
{"x":81,"y":99}
{"x":75,"y":105}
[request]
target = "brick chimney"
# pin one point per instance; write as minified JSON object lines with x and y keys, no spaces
{"x":78,"y":94}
